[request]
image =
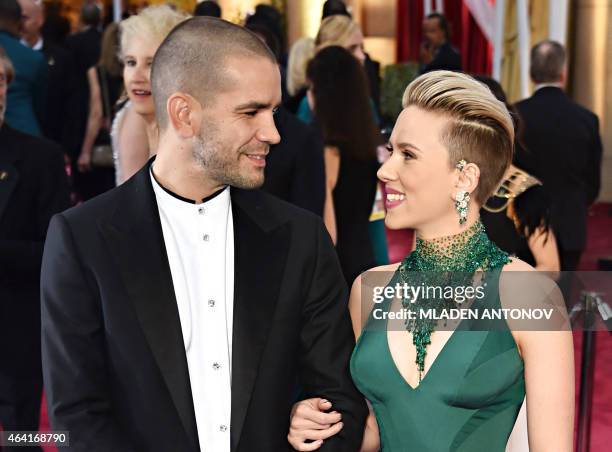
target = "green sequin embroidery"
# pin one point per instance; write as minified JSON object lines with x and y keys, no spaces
{"x":445,"y":262}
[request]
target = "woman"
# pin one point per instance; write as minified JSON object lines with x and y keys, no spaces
{"x":336,"y":31}
{"x":299,"y":56}
{"x":105,"y":87}
{"x":435,"y":390}
{"x":134,"y":131}
{"x":339,"y":98}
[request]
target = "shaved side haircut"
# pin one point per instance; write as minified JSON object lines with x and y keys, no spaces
{"x":193,"y":59}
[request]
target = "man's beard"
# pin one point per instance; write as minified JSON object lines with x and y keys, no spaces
{"x":221,"y":163}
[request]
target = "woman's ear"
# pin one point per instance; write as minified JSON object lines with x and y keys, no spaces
{"x":467,"y":177}
{"x":310,"y":99}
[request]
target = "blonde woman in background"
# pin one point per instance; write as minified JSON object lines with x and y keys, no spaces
{"x":134,"y":131}
{"x":340,"y":30}
{"x":301,"y":53}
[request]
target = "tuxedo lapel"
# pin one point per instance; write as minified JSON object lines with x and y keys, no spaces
{"x":261,"y":244}
{"x":135,"y":238}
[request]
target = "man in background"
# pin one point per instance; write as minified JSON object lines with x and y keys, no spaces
{"x":436,"y":50}
{"x":33,"y":187}
{"x":563,"y":150}
{"x":27,"y":93}
{"x":57,"y":120}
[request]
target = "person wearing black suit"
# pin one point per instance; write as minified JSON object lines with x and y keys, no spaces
{"x":27,"y":93}
{"x":33,"y":187}
{"x":57,"y":120}
{"x":181,"y":308}
{"x":295,"y":171}
{"x":436,"y":51}
{"x":563,"y":150}
{"x":85,"y":47}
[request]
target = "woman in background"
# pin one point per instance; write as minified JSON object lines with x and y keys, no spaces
{"x":299,"y":56}
{"x":339,"y":96}
{"x":105,"y":87}
{"x":134,"y":131}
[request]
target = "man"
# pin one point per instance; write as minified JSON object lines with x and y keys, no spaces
{"x":207,"y":8}
{"x":85,"y":49}
{"x":57,"y":120}
{"x":27,"y":93}
{"x":436,"y":50}
{"x":563,"y":150}
{"x":180,"y":308}
{"x":33,"y":187}
{"x":295,"y":170}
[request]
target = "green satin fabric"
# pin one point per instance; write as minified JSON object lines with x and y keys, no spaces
{"x":468,"y":400}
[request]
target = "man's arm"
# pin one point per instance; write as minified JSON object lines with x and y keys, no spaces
{"x":327,"y":343}
{"x":73,"y":349}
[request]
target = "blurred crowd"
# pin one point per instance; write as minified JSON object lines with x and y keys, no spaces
{"x":77,"y":118}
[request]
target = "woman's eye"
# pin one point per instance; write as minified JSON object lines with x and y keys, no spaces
{"x":407,"y":155}
{"x":130,"y":63}
{"x":389,"y":149}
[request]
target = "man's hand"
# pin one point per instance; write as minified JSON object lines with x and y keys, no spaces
{"x":310,"y":421}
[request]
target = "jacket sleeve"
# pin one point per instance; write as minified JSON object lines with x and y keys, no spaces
{"x":327,"y":343}
{"x":593,"y":176}
{"x":73,"y":349}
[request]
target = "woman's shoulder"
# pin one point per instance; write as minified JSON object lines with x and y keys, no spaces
{"x":517,"y":265}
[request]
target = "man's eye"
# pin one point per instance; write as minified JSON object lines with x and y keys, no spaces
{"x":251,"y":113}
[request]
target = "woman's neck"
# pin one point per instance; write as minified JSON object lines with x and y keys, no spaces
{"x":152,"y":134}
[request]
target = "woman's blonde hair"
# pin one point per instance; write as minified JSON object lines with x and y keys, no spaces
{"x":5,"y":61}
{"x":153,"y":23}
{"x":301,"y":53}
{"x":480,"y":128}
{"x":335,"y":31}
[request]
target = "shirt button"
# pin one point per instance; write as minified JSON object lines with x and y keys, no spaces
{"x":223,"y":428}
{"x":206,"y":237}
{"x":201,"y":210}
{"x":216,"y":366}
{"x":211,"y":303}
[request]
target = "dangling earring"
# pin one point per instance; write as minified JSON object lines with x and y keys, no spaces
{"x":461,"y":205}
{"x":462,"y":198}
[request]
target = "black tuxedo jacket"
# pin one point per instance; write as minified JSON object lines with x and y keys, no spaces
{"x":562,"y":149}
{"x":295,"y":169}
{"x":446,"y":58}
{"x":114,"y":361}
{"x":59,"y":119}
{"x":33,"y":187}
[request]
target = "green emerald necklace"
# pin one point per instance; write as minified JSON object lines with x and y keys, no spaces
{"x":444,"y":262}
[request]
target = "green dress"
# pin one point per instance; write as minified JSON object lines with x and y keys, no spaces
{"x":468,"y":400}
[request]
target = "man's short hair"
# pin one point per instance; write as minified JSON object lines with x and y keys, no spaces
{"x":334,"y":7}
{"x":192,"y":60}
{"x":442,"y":23}
{"x":90,"y":14}
{"x":547,"y":62}
{"x":10,"y":12}
{"x":207,"y":8}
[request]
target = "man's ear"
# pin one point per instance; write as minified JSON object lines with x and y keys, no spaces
{"x":184,"y":114}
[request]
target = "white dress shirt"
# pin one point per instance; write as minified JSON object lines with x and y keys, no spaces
{"x":199,"y":240}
